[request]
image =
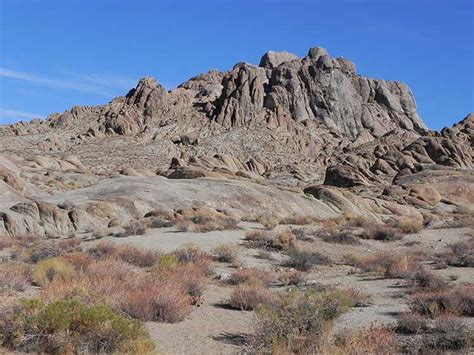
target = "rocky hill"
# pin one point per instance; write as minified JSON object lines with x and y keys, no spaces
{"x":308,"y":123}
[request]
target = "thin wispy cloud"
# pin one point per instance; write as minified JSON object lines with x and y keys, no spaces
{"x":94,"y":84}
{"x":109,"y":81}
{"x":15,"y":114}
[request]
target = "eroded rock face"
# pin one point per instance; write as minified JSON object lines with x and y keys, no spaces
{"x":316,"y":87}
{"x":358,"y":143}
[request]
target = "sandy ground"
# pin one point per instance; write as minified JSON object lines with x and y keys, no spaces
{"x":214,"y":328}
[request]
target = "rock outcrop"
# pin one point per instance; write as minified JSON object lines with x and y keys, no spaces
{"x":312,"y":124}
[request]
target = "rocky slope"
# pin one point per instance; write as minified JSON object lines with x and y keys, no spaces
{"x":289,"y":121}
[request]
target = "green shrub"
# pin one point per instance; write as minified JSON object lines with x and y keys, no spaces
{"x":71,"y":327}
{"x":296,"y":322}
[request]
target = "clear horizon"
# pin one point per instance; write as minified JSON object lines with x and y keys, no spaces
{"x":60,"y":54}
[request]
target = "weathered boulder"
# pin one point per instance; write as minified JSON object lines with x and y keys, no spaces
{"x":344,"y":176}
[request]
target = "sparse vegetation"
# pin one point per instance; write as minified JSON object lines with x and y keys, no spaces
{"x":159,"y":302}
{"x":248,"y":296}
{"x":291,"y":278}
{"x":284,"y":240}
{"x":14,"y":276}
{"x":225,"y":253}
{"x":390,"y":264}
{"x":136,"y":227}
{"x":298,"y":219}
{"x":191,"y":253}
{"x":200,"y":220}
{"x":297,"y":322}
{"x":460,"y":254}
{"x":305,"y":260}
{"x":407,"y":225}
{"x":40,"y":251}
{"x":411,"y":323}
{"x":251,"y":276}
{"x":380,"y":232}
{"x":427,"y":280}
{"x":268,"y":221}
{"x":371,"y":340}
{"x":50,"y":269}
{"x":130,"y":254}
{"x":341,"y":237}
{"x":455,"y":301}
{"x":137,"y":256}
{"x":69,"y":326}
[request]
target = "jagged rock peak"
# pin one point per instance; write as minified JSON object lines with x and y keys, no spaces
{"x":316,"y":52}
{"x":273,"y":59}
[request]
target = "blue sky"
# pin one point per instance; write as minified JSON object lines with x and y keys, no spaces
{"x":57,"y":54}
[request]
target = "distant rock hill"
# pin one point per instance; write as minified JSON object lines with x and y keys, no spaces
{"x":282,"y":91}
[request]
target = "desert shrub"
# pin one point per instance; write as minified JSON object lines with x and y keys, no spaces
{"x":167,"y":262}
{"x":352,"y":297}
{"x":167,"y":298}
{"x":200,"y":220}
{"x":411,"y":323}
{"x":99,"y":233}
{"x":167,"y":215}
{"x":248,"y":296}
{"x":291,"y":278}
{"x":390,"y":264}
{"x":268,"y":221}
{"x":50,"y":269}
{"x":456,"y":301}
{"x":284,"y":240}
{"x":296,"y":322}
{"x":297,"y":219}
{"x":460,"y":255}
{"x":160,"y":218}
{"x":408,"y":225}
{"x":160,"y":223}
{"x":340,"y":237}
{"x":102,"y":250}
{"x":372,"y":340}
{"x":264,"y":254}
{"x":380,"y":232}
{"x":305,"y":260}
{"x":251,"y":276}
{"x":78,"y":260}
{"x":14,"y":276}
{"x":427,"y":280}
{"x":267,"y":240}
{"x":301,"y":234}
{"x":41,"y":251}
{"x":136,"y":227}
{"x":70,"y":327}
{"x":159,"y":302}
{"x":111,"y":267}
{"x":6,"y":243}
{"x":356,"y":220}
{"x":137,"y":256}
{"x":69,"y":245}
{"x":192,"y":277}
{"x":259,"y":239}
{"x":190,"y":253}
{"x":189,"y":273}
{"x":92,"y":289}
{"x":225,"y":253}
{"x":449,"y":334}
